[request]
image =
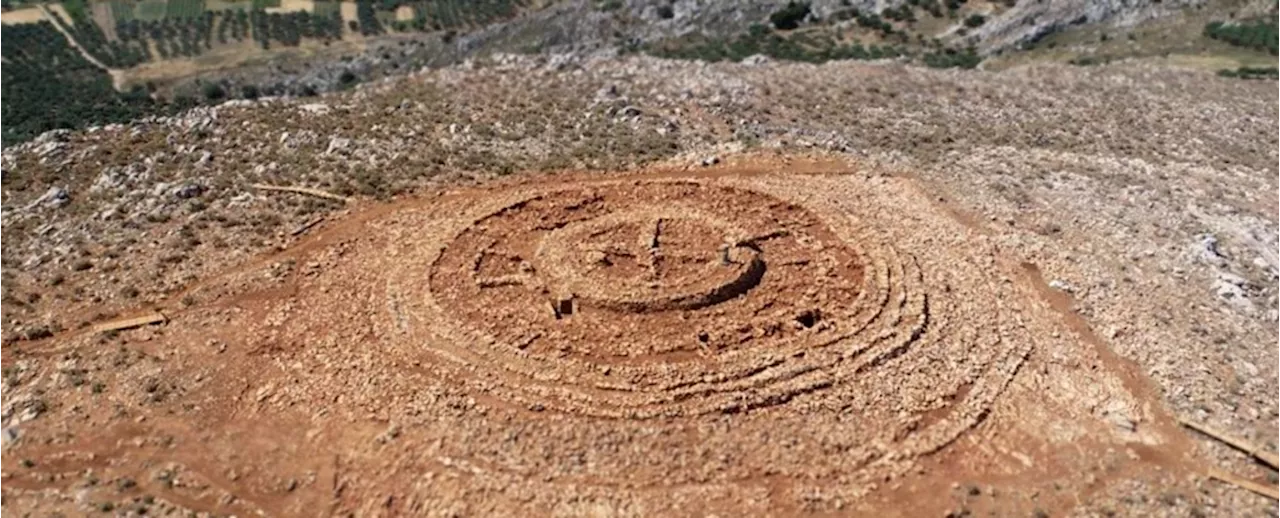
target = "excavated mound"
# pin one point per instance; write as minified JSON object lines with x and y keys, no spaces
{"x":849,"y":315}
{"x":661,"y":343}
{"x":678,"y":298}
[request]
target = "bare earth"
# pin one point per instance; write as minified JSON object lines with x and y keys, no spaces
{"x":892,"y":291}
{"x":24,"y":15}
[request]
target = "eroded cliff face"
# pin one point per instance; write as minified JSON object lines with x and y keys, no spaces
{"x":577,"y":26}
{"x":1031,"y":20}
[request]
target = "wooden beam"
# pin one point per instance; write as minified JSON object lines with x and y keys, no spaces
{"x":130,"y":323}
{"x":1268,"y":491}
{"x":1271,"y":459}
{"x":301,"y":190}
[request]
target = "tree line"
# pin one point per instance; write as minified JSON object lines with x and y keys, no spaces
{"x":49,"y":85}
{"x":1258,"y":34}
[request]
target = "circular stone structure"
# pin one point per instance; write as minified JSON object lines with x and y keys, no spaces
{"x":865,"y":336}
{"x":645,"y":261}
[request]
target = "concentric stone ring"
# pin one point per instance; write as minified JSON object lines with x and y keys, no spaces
{"x":586,"y":306}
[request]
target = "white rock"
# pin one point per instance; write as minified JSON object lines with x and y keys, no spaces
{"x":1233,"y":279}
{"x":315,"y":108}
{"x":55,"y":197}
{"x":1232,"y":289}
{"x":188,"y":190}
{"x":1123,"y":422}
{"x":9,"y":435}
{"x":1207,"y":250}
{"x":1248,"y":369}
{"x":337,"y":144}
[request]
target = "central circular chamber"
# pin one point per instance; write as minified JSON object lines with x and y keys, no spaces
{"x":648,"y":261}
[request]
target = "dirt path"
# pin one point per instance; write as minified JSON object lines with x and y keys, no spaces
{"x":23,"y":15}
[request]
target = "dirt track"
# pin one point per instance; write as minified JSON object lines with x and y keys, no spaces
{"x":768,"y":336}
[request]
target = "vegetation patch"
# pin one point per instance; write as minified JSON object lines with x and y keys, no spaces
{"x":1088,"y":61}
{"x":951,"y":58}
{"x":1257,"y":34}
{"x":760,"y":40}
{"x":48,"y":85}
{"x":1251,"y":73}
{"x":801,"y":47}
{"x":790,"y":16}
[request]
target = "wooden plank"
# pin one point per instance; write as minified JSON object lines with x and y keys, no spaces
{"x":1268,"y":491}
{"x":1271,"y":459}
{"x":130,"y":323}
{"x":301,"y":190}
{"x":306,"y":226}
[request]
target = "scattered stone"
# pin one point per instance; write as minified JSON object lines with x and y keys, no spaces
{"x":9,"y":435}
{"x":48,"y":149}
{"x":1123,"y":422}
{"x":315,"y":108}
{"x":1207,"y":250}
{"x":31,"y":409}
{"x":188,"y":190}
{"x":608,"y":92}
{"x":56,"y":197}
{"x":388,"y":435}
{"x":1062,"y":286}
{"x":337,"y":144}
{"x":1233,"y":289}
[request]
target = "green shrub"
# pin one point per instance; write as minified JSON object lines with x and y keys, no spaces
{"x":951,"y":58}
{"x":1251,"y":73}
{"x":1257,"y":35}
{"x":903,"y":13}
{"x":873,"y":21}
{"x":789,"y":17}
{"x":759,"y":40}
{"x":1087,"y":61}
{"x":213,"y":92}
{"x":347,"y":79}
